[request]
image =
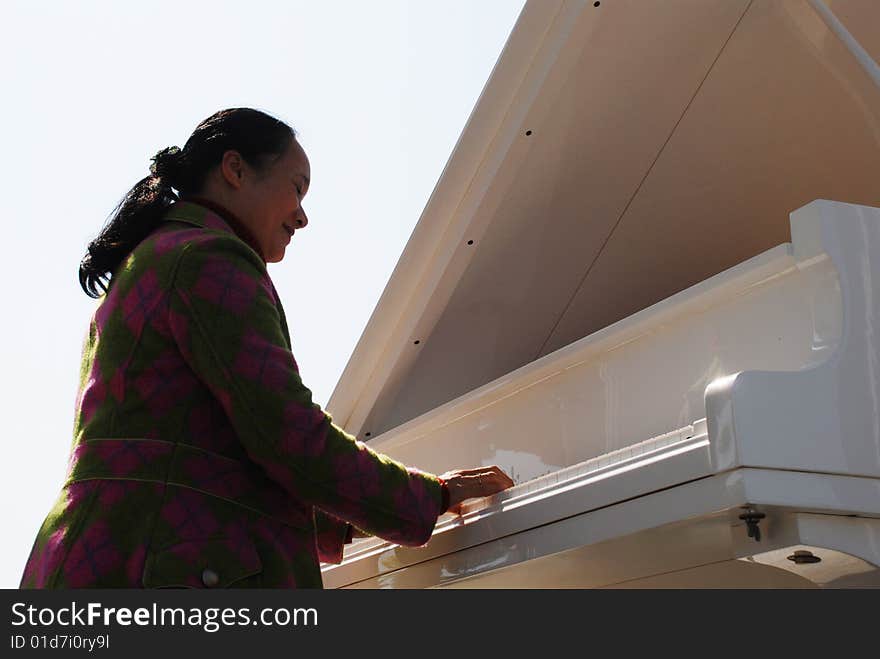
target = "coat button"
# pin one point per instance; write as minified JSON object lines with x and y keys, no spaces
{"x":210,"y":578}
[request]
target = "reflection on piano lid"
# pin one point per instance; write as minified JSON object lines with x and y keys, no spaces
{"x":588,"y":471}
{"x":582,"y":295}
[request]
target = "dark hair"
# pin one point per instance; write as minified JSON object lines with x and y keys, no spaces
{"x":257,"y":136}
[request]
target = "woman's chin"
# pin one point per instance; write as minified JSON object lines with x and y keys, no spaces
{"x":276,"y":257}
{"x":279,"y":249}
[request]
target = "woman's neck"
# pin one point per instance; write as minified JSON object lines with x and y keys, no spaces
{"x":230,"y":218}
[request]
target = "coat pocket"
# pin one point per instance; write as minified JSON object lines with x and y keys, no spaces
{"x":216,"y":562}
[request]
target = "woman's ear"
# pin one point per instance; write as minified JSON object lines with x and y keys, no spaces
{"x":232,"y":168}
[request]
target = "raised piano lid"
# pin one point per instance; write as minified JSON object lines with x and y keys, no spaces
{"x":670,"y":141}
{"x":626,"y":179}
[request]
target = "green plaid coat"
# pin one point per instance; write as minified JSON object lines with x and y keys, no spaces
{"x":198,"y":457}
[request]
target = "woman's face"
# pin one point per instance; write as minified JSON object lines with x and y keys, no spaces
{"x":270,"y":201}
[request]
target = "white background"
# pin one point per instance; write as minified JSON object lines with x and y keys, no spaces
{"x":378,"y":92}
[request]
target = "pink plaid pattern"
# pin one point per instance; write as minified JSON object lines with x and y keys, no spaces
{"x":166,"y":241}
{"x":225,"y":479}
{"x":92,"y":556}
{"x":114,"y":492}
{"x":103,"y":313}
{"x":141,"y":301}
{"x":223,"y":284}
{"x":165,"y":382}
{"x":179,"y":329}
{"x":189,"y":515}
{"x":134,"y":564}
{"x":92,"y":398}
{"x":416,"y":504}
{"x":209,"y":428}
{"x":286,"y":541}
{"x":42,"y":565}
{"x":123,"y":457}
{"x":305,"y":430}
{"x":356,"y":478}
{"x":238,"y":542}
{"x":261,"y":362}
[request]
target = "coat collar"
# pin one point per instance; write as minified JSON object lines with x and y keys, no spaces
{"x":202,"y":213}
{"x":199,"y":215}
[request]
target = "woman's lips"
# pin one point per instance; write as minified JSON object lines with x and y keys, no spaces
{"x":288,"y":229}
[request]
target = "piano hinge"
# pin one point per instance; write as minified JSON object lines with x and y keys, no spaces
{"x":751,"y":517}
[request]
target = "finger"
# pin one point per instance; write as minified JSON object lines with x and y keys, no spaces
{"x":496,"y":471}
{"x":503,"y":478}
{"x":500,"y":479}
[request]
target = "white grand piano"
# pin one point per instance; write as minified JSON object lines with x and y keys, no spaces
{"x":647,"y":285}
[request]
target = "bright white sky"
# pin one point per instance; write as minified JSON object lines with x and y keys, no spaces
{"x":378,"y":92}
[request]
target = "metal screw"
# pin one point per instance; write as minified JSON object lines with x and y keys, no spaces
{"x":802,"y":556}
{"x":751,"y":518}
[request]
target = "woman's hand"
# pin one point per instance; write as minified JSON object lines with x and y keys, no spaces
{"x":469,"y":483}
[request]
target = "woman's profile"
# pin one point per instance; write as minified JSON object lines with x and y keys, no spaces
{"x":199,"y":458}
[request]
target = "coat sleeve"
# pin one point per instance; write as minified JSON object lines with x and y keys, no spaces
{"x":223,"y":317}
{"x":331,"y":536}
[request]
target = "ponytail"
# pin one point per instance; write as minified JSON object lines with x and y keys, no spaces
{"x":139,"y":212}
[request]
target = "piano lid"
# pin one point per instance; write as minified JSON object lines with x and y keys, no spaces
{"x":617,"y":155}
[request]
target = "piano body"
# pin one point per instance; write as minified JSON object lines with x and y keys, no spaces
{"x":647,"y":285}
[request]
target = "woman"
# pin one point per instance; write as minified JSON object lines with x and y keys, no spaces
{"x":199,"y":458}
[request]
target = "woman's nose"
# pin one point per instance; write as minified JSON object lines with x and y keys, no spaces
{"x":301,"y":219}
